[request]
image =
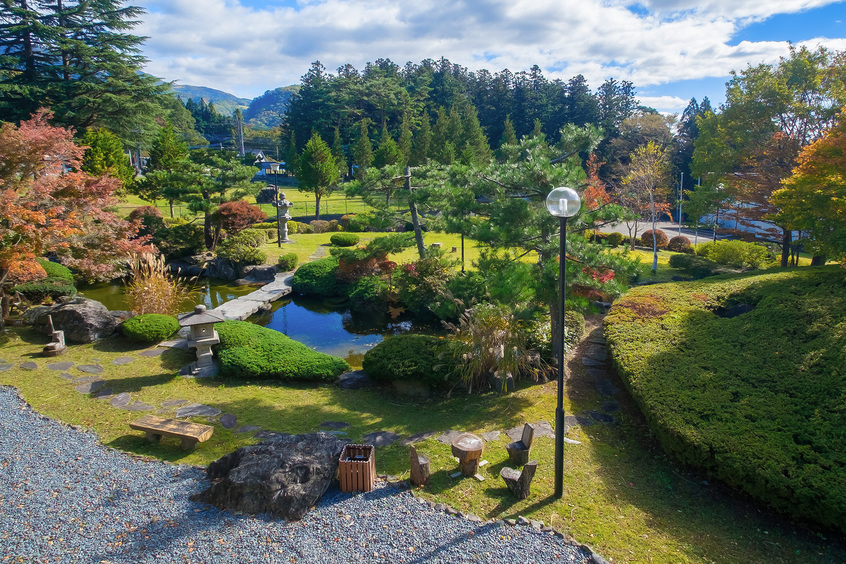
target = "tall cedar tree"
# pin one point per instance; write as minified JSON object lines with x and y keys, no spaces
{"x":318,"y":171}
{"x":104,"y":155}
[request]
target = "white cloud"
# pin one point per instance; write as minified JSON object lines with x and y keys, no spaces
{"x":227,"y":45}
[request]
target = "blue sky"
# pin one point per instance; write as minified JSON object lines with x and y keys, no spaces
{"x":672,"y":50}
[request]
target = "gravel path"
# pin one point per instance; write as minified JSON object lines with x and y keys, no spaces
{"x":66,"y":498}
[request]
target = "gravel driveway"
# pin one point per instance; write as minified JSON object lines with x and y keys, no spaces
{"x":66,"y":498}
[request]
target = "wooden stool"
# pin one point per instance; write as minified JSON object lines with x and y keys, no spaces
{"x":419,"y":468}
{"x":519,"y":483}
{"x":468,"y":448}
{"x":518,"y":451}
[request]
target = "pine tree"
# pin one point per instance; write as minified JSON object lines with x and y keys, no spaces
{"x":104,"y":156}
{"x":362,"y":151}
{"x":318,"y":170}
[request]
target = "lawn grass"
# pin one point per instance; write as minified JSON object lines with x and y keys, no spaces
{"x":621,"y":494}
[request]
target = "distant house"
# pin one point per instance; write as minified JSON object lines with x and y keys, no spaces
{"x":266,"y":175}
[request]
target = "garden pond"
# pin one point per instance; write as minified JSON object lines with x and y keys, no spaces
{"x":328,"y":326}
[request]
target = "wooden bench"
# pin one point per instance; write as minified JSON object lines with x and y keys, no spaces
{"x":189,"y":433}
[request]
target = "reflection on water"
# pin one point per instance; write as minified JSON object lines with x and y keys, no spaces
{"x":210,"y":291}
{"x":332,"y":329}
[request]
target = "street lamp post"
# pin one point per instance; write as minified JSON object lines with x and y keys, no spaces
{"x":274,"y":168}
{"x":562,"y":203}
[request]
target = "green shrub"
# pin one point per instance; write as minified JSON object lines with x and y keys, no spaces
{"x":680,"y":244}
{"x":149,"y":327}
{"x":614,"y":239}
{"x":293,"y":227}
{"x":55,"y":270}
{"x":369,"y":293}
{"x":539,"y":332}
{"x":694,"y":265}
{"x":344,"y":239}
{"x":179,"y":240}
{"x":754,"y":400}
{"x":318,"y":278}
{"x":319,"y":226}
{"x":660,"y":237}
{"x":48,"y":288}
{"x":421,"y":358}
{"x":243,"y":248}
{"x":247,"y":352}
{"x":739,"y":254}
{"x":287,"y":262}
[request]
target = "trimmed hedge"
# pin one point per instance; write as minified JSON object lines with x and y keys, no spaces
{"x":149,"y":327}
{"x":287,"y":262}
{"x":754,"y":399}
{"x":318,"y":278}
{"x":55,"y":270}
{"x":251,"y":352}
{"x":694,"y":265}
{"x":421,"y":358}
{"x":53,"y":288}
{"x":680,"y":244}
{"x":344,"y":239}
{"x":660,"y":238}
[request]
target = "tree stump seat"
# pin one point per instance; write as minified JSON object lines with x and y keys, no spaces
{"x":518,"y":451}
{"x":419,"y":468}
{"x":519,"y":483}
{"x":467,"y":448}
{"x":189,"y":433}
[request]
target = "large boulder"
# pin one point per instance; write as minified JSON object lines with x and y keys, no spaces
{"x":258,"y":272}
{"x":82,"y":320}
{"x":222,"y":268}
{"x":284,"y":475}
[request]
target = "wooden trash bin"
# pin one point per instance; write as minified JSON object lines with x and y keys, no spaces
{"x":357,"y":468}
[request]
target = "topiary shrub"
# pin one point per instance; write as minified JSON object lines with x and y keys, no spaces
{"x":318,"y":278}
{"x":660,"y":237}
{"x":287,"y":262}
{"x":319,"y":226}
{"x":251,"y":352}
{"x":46,"y":289}
{"x":614,"y":239}
{"x":149,"y":327}
{"x":693,"y":265}
{"x":344,"y":239}
{"x":243,"y":248}
{"x":55,"y":270}
{"x":293,"y":227}
{"x":680,"y":244}
{"x":421,"y":358}
{"x":739,"y":254}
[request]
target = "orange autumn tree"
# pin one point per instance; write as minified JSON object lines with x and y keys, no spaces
{"x":47,"y":204}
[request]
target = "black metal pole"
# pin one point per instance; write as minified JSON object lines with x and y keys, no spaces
{"x":559,"y":410}
{"x":278,"y":215}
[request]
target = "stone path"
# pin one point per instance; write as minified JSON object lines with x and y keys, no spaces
{"x":243,"y":307}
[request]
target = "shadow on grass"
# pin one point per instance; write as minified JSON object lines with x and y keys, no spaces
{"x":167,"y":449}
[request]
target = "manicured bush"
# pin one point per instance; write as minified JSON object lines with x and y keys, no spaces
{"x":243,"y":248}
{"x":179,"y":240}
{"x":46,"y":289}
{"x":55,"y":270}
{"x":614,"y":239}
{"x":287,"y":262}
{"x":149,"y":327}
{"x":753,"y":399}
{"x":694,"y":265}
{"x":318,"y":278}
{"x":369,"y":293}
{"x":319,"y":225}
{"x":344,"y":239}
{"x":680,"y":244}
{"x":334,"y":225}
{"x":660,"y":237}
{"x":738,"y":254}
{"x":293,"y":227}
{"x":251,"y":352}
{"x":421,"y":358}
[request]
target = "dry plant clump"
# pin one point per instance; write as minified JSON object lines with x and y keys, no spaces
{"x":153,"y":289}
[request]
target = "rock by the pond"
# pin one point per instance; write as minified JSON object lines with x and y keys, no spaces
{"x":380,"y":438}
{"x":90,"y":368}
{"x":263,"y":272}
{"x":222,"y":268}
{"x":82,"y":320}
{"x":228,"y":421}
{"x":197,"y":410}
{"x":354,"y":380}
{"x":29,"y":365}
{"x":284,"y":476}
{"x":59,"y":366}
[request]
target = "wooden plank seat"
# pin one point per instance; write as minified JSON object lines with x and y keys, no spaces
{"x":189,"y":433}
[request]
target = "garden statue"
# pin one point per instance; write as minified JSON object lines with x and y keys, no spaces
{"x":282,"y":213}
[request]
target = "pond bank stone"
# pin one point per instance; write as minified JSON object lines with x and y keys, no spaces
{"x":354,"y":380}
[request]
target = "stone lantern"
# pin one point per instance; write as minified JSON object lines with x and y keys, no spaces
{"x":282,"y":207}
{"x":201,"y":335}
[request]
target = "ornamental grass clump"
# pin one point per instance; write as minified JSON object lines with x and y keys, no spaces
{"x":153,"y":289}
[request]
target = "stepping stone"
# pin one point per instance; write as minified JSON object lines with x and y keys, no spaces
{"x":152,"y":352}
{"x":90,"y":387}
{"x":597,"y":352}
{"x":174,"y":403}
{"x":598,"y":340}
{"x":491,"y":436}
{"x":542,"y":429}
{"x":67,"y":376}
{"x":380,"y":438}
{"x":90,"y":368}
{"x":121,"y":400}
{"x":574,"y":420}
{"x":606,"y":388}
{"x":104,"y":393}
{"x":588,"y":361}
{"x":60,"y":365}
{"x":123,"y":360}
{"x":335,"y":424}
{"x":596,"y":373}
{"x":198,"y":410}
{"x":448,"y":436}
{"x":4,"y":367}
{"x":139,"y":406}
{"x":247,"y":429}
{"x":228,"y":421}
{"x":85,"y":380}
{"x":602,"y":417}
{"x":610,"y":406}
{"x":3,"y":361}
{"x":175,"y":344}
{"x":418,"y":437}
{"x":29,"y":365}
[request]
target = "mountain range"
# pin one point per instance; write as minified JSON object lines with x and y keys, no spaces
{"x":264,"y":111}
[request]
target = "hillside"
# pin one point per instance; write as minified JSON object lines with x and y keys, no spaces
{"x":224,"y":103}
{"x":267,"y":110}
